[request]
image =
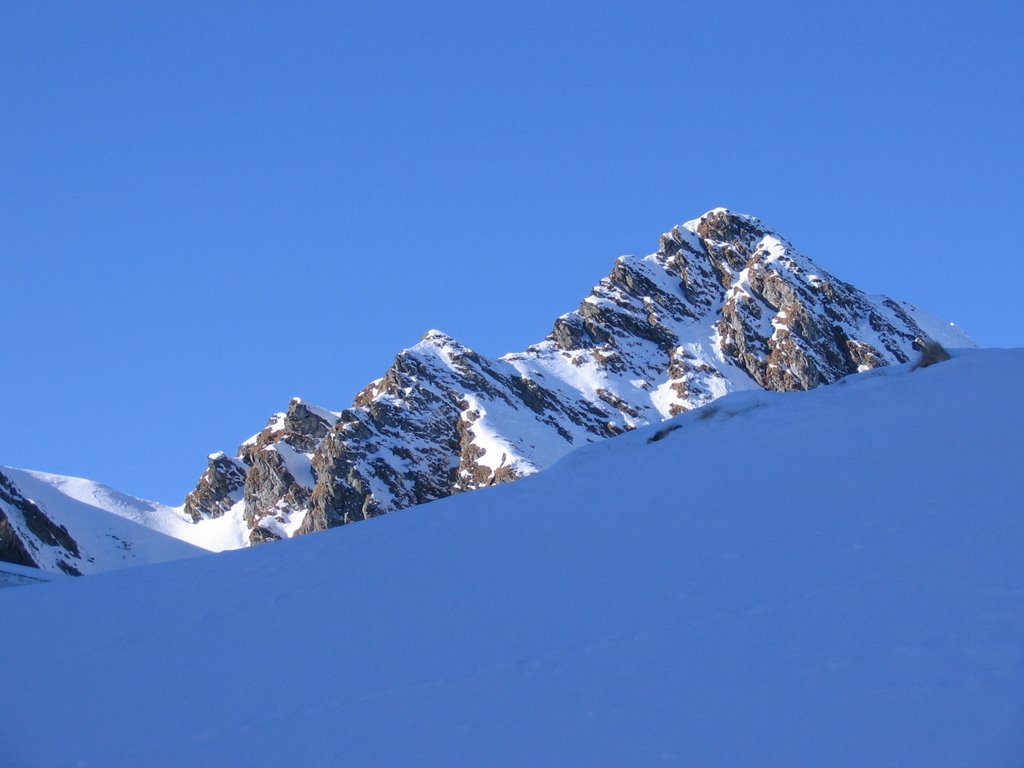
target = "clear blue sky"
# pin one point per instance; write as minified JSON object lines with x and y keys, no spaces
{"x":208,"y":208}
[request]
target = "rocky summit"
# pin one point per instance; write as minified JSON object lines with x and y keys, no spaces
{"x":725,"y":303}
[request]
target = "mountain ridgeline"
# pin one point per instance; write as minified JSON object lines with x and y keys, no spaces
{"x":724,"y":304}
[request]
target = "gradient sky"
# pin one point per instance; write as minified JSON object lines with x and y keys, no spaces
{"x":208,"y":208}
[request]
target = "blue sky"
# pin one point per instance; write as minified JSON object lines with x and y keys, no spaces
{"x":211,"y":207}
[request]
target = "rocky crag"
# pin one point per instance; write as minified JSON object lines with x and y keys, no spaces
{"x":725,"y":303}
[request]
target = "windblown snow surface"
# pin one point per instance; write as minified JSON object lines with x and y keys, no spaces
{"x":829,"y":578}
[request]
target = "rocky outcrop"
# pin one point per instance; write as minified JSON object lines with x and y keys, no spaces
{"x":724,"y":303}
{"x":271,"y":480}
{"x":219,"y":489}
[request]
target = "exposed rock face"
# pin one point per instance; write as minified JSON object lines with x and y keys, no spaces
{"x":219,"y":489}
{"x":789,"y":324}
{"x":271,"y":479}
{"x":723,"y":304}
{"x":25,"y":530}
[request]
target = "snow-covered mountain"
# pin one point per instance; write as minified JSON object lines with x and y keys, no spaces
{"x":76,"y":526}
{"x":824,"y":578}
{"x":724,"y":304}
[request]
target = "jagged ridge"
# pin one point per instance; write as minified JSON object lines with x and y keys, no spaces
{"x":724,"y":304}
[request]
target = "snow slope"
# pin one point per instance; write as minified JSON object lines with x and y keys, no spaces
{"x":829,"y":578}
{"x":104,"y":540}
{"x":60,"y":492}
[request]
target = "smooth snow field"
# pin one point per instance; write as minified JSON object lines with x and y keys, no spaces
{"x":831,"y":578}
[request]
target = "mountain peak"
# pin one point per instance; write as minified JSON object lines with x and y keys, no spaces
{"x":725,"y":304}
{"x":436,"y":336}
{"x":722,"y":214}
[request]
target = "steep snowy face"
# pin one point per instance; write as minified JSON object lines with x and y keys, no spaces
{"x":724,"y":304}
